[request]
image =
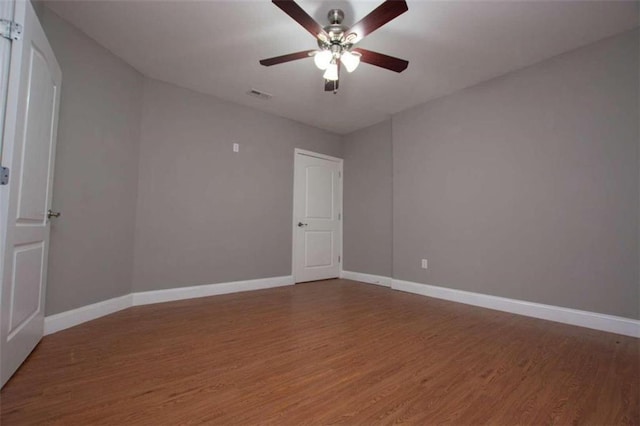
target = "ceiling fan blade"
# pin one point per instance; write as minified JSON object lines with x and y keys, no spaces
{"x":384,"y":13}
{"x":286,"y":58}
{"x":381,"y":60}
{"x":292,"y":9}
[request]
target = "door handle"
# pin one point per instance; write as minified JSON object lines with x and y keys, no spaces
{"x":300,"y":224}
{"x":51,"y":213}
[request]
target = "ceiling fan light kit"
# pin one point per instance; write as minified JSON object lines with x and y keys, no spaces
{"x":350,"y":60}
{"x":336,"y":42}
{"x":332,"y":71}
{"x":322,"y":59}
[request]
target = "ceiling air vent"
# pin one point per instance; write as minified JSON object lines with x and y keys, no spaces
{"x":259,"y":94}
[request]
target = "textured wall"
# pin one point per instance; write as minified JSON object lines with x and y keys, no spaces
{"x":96,"y":171}
{"x":526,"y":186}
{"x":367,"y":200}
{"x":206,"y":214}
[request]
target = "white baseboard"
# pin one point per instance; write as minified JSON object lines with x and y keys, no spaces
{"x":603,"y":322}
{"x":366,"y":278}
{"x":63,"y":320}
{"x":159,"y":296}
{"x":610,"y":323}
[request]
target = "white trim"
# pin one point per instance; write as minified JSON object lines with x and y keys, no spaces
{"x":603,"y":322}
{"x":64,"y":320}
{"x":341,"y":217}
{"x":181,"y":293}
{"x":366,"y":278}
{"x":316,"y":155}
{"x":293,"y":215}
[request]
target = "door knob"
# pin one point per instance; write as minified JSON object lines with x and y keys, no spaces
{"x":300,"y":224}
{"x":51,"y":213}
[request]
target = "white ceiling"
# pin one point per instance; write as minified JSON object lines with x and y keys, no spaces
{"x":214,"y":47}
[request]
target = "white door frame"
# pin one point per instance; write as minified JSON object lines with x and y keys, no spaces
{"x":294,"y":224}
{"x":6,"y":12}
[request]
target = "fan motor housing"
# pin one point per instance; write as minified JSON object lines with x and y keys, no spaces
{"x":335,"y":29}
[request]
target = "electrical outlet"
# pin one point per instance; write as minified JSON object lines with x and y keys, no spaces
{"x":425,"y":264}
{"x":236,"y":147}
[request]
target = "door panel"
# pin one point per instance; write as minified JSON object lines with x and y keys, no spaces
{"x":319,"y":193}
{"x":25,"y":288}
{"x":317,"y":229}
{"x":29,"y":140}
{"x":318,"y":248}
{"x":32,"y":199}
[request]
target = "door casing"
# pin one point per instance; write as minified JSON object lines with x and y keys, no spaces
{"x":340,"y":161}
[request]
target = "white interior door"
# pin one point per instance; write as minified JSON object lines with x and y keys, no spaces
{"x":29,"y":140}
{"x":317,"y":206}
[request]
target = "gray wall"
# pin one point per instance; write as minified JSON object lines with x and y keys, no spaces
{"x":206,"y":214}
{"x":526,"y":186}
{"x":95,"y":184}
{"x":367,"y":200}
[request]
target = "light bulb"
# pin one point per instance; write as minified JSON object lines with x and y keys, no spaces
{"x":322,"y":59}
{"x":350,"y":60}
{"x":332,"y":72}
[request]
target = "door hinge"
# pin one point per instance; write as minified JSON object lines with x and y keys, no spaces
{"x":10,"y":30}
{"x":339,"y":216}
{"x":338,"y":258}
{"x":4,"y":175}
{"x":339,"y":174}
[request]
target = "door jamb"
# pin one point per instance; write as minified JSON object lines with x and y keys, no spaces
{"x":340,"y":161}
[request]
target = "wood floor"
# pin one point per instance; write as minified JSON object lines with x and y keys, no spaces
{"x":331,"y":352}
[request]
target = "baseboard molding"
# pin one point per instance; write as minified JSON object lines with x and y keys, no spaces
{"x":603,"y":322}
{"x":64,"y":320}
{"x":159,"y":296}
{"x":366,"y":278}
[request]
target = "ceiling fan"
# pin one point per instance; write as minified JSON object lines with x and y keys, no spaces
{"x":337,"y":43}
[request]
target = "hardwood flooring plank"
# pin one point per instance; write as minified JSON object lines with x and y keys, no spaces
{"x":333,"y":352}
